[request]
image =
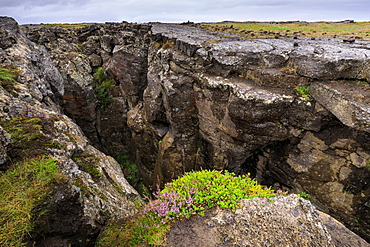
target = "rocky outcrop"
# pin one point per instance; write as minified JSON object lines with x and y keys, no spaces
{"x":94,"y":188}
{"x":282,"y":221}
{"x":187,"y":98}
{"x":122,"y":50}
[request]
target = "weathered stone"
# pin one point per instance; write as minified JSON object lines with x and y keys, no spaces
{"x":353,"y":113}
{"x":357,"y":160}
{"x":8,"y":32}
{"x":280,"y":221}
{"x":5,"y":139}
{"x":340,"y":235}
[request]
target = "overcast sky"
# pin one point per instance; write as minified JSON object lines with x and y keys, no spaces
{"x":75,"y":11}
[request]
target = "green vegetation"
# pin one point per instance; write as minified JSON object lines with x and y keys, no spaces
{"x":314,"y":29}
{"x":31,"y":136}
{"x":131,"y":172}
{"x":101,"y":88}
{"x":130,"y":169}
{"x":135,"y":231}
{"x":23,"y":189}
{"x":364,"y":85}
{"x":8,"y":75}
{"x":191,"y":194}
{"x":66,"y":25}
{"x":304,"y":92}
{"x":304,"y":195}
{"x":368,"y":164}
{"x":88,"y":164}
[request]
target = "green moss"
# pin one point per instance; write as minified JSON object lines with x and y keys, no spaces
{"x":87,"y":190}
{"x":116,"y":186}
{"x":191,"y":194}
{"x":31,"y":136}
{"x":134,"y":231}
{"x":304,"y":92}
{"x":78,"y":182}
{"x":22,"y":188}
{"x":88,"y":164}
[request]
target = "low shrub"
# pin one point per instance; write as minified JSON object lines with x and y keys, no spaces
{"x":130,"y":169}
{"x":191,"y":194}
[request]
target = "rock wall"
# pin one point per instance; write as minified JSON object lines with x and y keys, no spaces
{"x":232,"y":104}
{"x":94,"y":188}
{"x":187,"y":99}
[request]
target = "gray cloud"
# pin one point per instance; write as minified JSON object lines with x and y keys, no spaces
{"x":60,"y":11}
{"x":33,"y":3}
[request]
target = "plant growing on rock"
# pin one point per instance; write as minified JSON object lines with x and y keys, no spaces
{"x":304,"y":92}
{"x":191,"y":194}
{"x":101,"y":88}
{"x":304,"y":195}
{"x":32,"y":135}
{"x":8,"y":75}
{"x":23,"y":188}
{"x":88,"y":163}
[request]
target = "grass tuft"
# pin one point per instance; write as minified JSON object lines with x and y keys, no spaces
{"x":8,"y":75}
{"x":22,"y":188}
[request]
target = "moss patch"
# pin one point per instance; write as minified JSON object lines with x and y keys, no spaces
{"x":31,"y":136}
{"x":88,"y":163}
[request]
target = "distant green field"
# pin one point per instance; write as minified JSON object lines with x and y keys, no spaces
{"x":357,"y":30}
{"x":80,"y":25}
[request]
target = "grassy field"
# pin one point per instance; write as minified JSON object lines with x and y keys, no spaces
{"x":66,"y":25}
{"x":353,"y":30}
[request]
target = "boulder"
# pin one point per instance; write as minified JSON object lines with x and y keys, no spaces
{"x":281,"y":221}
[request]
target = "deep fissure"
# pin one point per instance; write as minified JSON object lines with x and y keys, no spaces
{"x":196,"y":103}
